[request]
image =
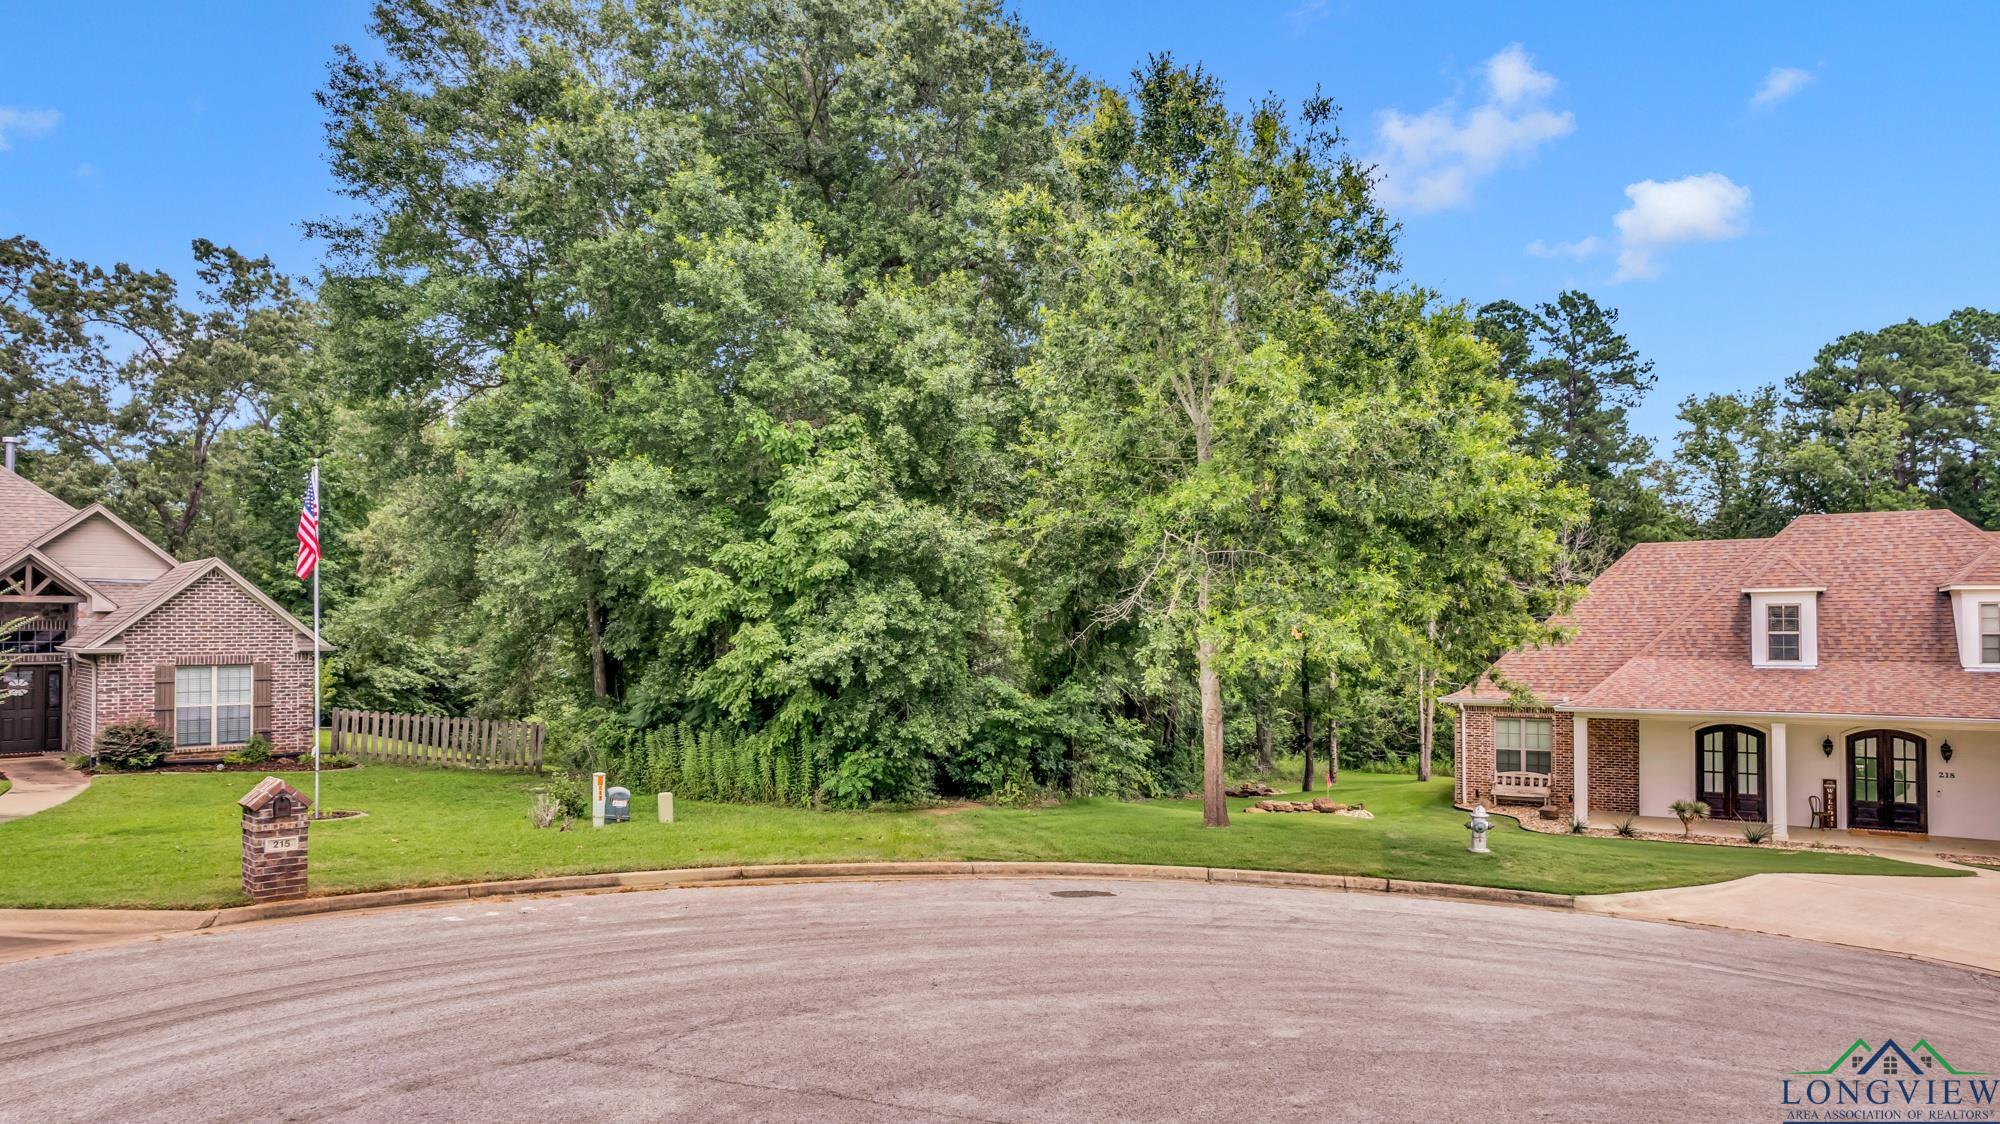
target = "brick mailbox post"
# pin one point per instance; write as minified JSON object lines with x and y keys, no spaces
{"x":274,"y":841}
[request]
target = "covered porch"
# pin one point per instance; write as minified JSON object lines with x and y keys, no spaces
{"x":1889,"y":844}
{"x":1860,"y":781}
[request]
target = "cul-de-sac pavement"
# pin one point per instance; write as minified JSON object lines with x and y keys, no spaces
{"x":922,"y":1000}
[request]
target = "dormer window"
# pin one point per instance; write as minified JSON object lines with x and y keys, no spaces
{"x":1784,"y":628}
{"x":1781,"y":633}
{"x":1975,"y":611}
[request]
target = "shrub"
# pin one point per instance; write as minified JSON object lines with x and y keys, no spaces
{"x":1756,"y":832}
{"x":77,"y":761}
{"x":1625,"y":828}
{"x":256,"y":751}
{"x":131,"y":746}
{"x":1578,"y":825}
{"x":335,"y":761}
{"x":543,"y":812}
{"x":571,"y":793}
{"x":1689,"y":811}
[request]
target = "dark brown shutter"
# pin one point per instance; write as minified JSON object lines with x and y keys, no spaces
{"x":163,"y":699}
{"x":260,"y":699}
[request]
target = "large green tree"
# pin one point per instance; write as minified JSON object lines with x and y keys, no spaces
{"x":1578,"y":376}
{"x":1907,"y":416}
{"x":131,"y":394}
{"x":1268,"y":444}
{"x":697,"y":350}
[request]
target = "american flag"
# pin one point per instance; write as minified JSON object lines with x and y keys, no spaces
{"x":309,"y":528}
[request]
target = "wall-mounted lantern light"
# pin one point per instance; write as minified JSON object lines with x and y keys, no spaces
{"x":1945,"y":752}
{"x":1826,"y":746}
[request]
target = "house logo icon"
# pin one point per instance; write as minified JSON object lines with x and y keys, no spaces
{"x":1915,"y":1082}
{"x":1890,"y":1059}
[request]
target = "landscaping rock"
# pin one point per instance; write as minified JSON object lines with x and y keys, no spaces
{"x":1357,"y":813}
{"x":1250,"y":788}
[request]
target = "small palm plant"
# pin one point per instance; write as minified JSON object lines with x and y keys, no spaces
{"x":1689,"y":811}
{"x":1626,"y":828}
{"x":1756,"y":832}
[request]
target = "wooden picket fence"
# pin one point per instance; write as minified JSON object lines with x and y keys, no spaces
{"x":434,"y":739}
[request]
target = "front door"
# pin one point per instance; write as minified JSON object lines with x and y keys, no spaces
{"x":23,"y":710}
{"x":1885,"y":781}
{"x":1729,"y":772}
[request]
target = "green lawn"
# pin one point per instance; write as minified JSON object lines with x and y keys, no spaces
{"x":171,"y":840}
{"x":5,"y":784}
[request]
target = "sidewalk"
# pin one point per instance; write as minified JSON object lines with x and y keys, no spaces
{"x":40,"y":783}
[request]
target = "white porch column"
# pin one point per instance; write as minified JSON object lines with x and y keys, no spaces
{"x":1778,"y":800}
{"x":1579,"y":768}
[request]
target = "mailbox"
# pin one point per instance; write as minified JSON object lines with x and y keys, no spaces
{"x":618,"y":805}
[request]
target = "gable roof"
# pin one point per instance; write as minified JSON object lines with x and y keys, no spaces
{"x":99,"y":600}
{"x":1981,"y":571}
{"x":158,"y":592}
{"x":78,"y":518}
{"x":26,"y":512}
{"x":1667,"y":627}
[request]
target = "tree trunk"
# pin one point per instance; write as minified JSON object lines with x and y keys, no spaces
{"x":1426,"y":709}
{"x":1265,"y":756}
{"x":1332,"y":727}
{"x":1214,"y":809}
{"x":600,"y":662}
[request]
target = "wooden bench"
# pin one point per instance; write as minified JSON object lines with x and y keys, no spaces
{"x":1524,"y":787}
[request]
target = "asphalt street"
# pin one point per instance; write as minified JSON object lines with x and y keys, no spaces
{"x":960,"y":1000}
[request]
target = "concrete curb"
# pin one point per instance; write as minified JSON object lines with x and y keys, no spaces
{"x":827,"y":872}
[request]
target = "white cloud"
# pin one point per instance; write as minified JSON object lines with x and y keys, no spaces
{"x":1307,"y":14}
{"x":1431,"y":161}
{"x":1578,"y":250}
{"x":25,"y":122}
{"x":1513,"y":76}
{"x":1781,"y":83}
{"x":1704,"y":208}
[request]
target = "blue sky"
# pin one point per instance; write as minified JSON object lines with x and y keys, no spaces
{"x":1620,"y":149}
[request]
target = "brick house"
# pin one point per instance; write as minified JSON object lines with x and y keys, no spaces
{"x":1844,"y":673}
{"x":110,"y":628}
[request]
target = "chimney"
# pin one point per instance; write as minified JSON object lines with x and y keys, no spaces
{"x":11,"y":443}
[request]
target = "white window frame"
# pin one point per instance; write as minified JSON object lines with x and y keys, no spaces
{"x":1762,"y":601}
{"x":1521,"y":749}
{"x":214,"y":704}
{"x":1797,"y":632}
{"x":1987,"y":634}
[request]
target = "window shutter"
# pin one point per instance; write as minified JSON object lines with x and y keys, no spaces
{"x":163,"y":699}
{"x":260,"y":699}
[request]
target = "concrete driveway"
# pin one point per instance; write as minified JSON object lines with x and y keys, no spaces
{"x":39,"y":783}
{"x":1012,"y":1000}
{"x":1954,"y":919}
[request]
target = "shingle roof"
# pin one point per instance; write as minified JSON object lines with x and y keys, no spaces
{"x":134,"y":601}
{"x":1667,"y":627}
{"x":1983,"y":570}
{"x":26,"y":512}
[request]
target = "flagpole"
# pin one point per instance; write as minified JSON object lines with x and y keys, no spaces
{"x":319,"y":503}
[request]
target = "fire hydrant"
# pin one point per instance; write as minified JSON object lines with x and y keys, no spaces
{"x":1479,"y":825}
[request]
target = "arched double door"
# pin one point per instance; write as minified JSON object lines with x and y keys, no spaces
{"x":1730,"y":766}
{"x":1885,"y":781}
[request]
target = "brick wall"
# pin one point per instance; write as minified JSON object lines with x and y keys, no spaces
{"x":1614,"y":766}
{"x":1475,"y":756}
{"x":1614,"y":759}
{"x":211,"y":621}
{"x":80,"y":720}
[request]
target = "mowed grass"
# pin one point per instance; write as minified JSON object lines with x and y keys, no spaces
{"x":171,"y":840}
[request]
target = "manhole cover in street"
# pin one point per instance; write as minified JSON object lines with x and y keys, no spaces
{"x":1081,"y":894}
